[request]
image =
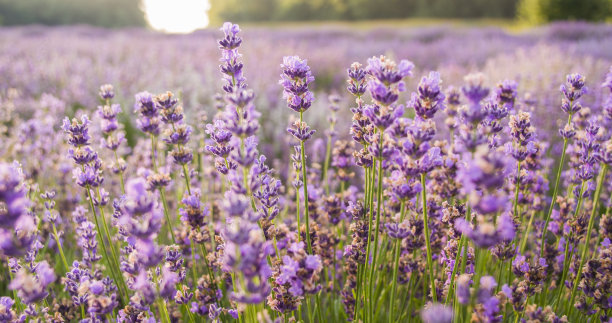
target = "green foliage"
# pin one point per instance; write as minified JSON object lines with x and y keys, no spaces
{"x":538,"y":11}
{"x":106,"y":13}
{"x":300,"y":10}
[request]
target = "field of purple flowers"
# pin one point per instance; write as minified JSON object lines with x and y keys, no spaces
{"x":435,"y":174}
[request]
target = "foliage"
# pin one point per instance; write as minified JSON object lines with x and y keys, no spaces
{"x":292,"y":10}
{"x":106,"y":13}
{"x":537,"y":11}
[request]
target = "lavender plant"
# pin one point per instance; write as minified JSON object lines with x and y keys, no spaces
{"x":454,"y":203}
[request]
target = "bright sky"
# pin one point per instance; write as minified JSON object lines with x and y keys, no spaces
{"x":176,"y":16}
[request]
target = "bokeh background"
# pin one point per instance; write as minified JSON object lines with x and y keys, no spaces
{"x":66,"y":48}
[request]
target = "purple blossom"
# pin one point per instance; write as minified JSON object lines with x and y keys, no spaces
{"x":486,"y":235}
{"x":429,"y":97}
{"x":32,"y":287}
{"x":295,"y":78}
{"x":437,"y":313}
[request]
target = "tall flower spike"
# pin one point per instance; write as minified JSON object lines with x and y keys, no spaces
{"x":231,"y":65}
{"x":429,"y":97}
{"x":148,"y":111}
{"x":387,"y":79}
{"x":17,"y":226}
{"x":295,"y":79}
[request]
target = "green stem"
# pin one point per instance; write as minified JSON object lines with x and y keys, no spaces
{"x":162,"y":195}
{"x":187,"y":177}
{"x":455,"y":266}
{"x":297,"y":210}
{"x":398,"y":244}
{"x":305,"y":187}
{"x":121,"y":181}
{"x":566,"y":265}
{"x":555,"y":189}
{"x":107,"y":257}
{"x":153,"y":153}
{"x":569,"y":256}
{"x":59,"y":247}
{"x":107,"y":232}
{"x":326,"y":163}
{"x":529,"y":224}
{"x":370,"y":208}
{"x":15,"y":297}
{"x":516,"y":191}
{"x":360,"y":270}
{"x":379,"y":203}
{"x":161,"y":303}
{"x":427,"y":242}
{"x":194,"y":272}
{"x":585,"y":248}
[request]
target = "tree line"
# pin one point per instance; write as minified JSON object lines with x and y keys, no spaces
{"x":122,"y":13}
{"x":105,"y":13}
{"x":305,"y":10}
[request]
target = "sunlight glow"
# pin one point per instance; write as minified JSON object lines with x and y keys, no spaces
{"x":176,"y":16}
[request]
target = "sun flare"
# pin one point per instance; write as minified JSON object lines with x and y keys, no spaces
{"x":176,"y":16}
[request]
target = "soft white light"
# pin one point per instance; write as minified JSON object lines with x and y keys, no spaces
{"x":176,"y":16}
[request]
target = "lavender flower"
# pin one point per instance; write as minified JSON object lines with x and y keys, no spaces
{"x":231,"y":67}
{"x":295,"y":78}
{"x":429,"y":97}
{"x":486,"y":234}
{"x":32,"y":287}
{"x":17,"y":226}
{"x":437,"y":313}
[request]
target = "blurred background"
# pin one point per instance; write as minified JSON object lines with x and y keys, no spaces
{"x":188,"y":15}
{"x":63,"y":50}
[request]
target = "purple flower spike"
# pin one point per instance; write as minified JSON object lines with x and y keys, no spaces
{"x":574,"y":88}
{"x":429,"y":97}
{"x":295,"y":78}
{"x":506,"y":93}
{"x":474,"y":90}
{"x":387,"y":71}
{"x":437,"y":313}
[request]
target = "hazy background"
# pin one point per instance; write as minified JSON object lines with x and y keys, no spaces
{"x":188,"y":15}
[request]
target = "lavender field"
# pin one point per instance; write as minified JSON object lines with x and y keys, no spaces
{"x":325,"y":173}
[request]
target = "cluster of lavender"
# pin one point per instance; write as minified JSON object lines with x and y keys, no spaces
{"x":443,"y":205}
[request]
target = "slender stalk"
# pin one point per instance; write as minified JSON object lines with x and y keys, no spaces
{"x":162,"y":195}
{"x":112,"y":245}
{"x":318,"y":307}
{"x":565,"y":270}
{"x":153,"y":153}
{"x":107,"y":230}
{"x":194,"y":272}
{"x":427,"y":242}
{"x":59,"y":247}
{"x":121,"y":181}
{"x":379,"y":203}
{"x":370,"y":209}
{"x":360,"y":270}
{"x":398,"y":243}
{"x":529,"y":224}
{"x":326,"y":162}
{"x":161,"y":303}
{"x":297,"y":209}
{"x":305,"y":187}
{"x":187,"y":177}
{"x":15,"y":297}
{"x":585,"y":248}
{"x":516,"y":191}
{"x":107,"y":257}
{"x":555,"y":189}
{"x":569,"y":256}
{"x":455,"y":266}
